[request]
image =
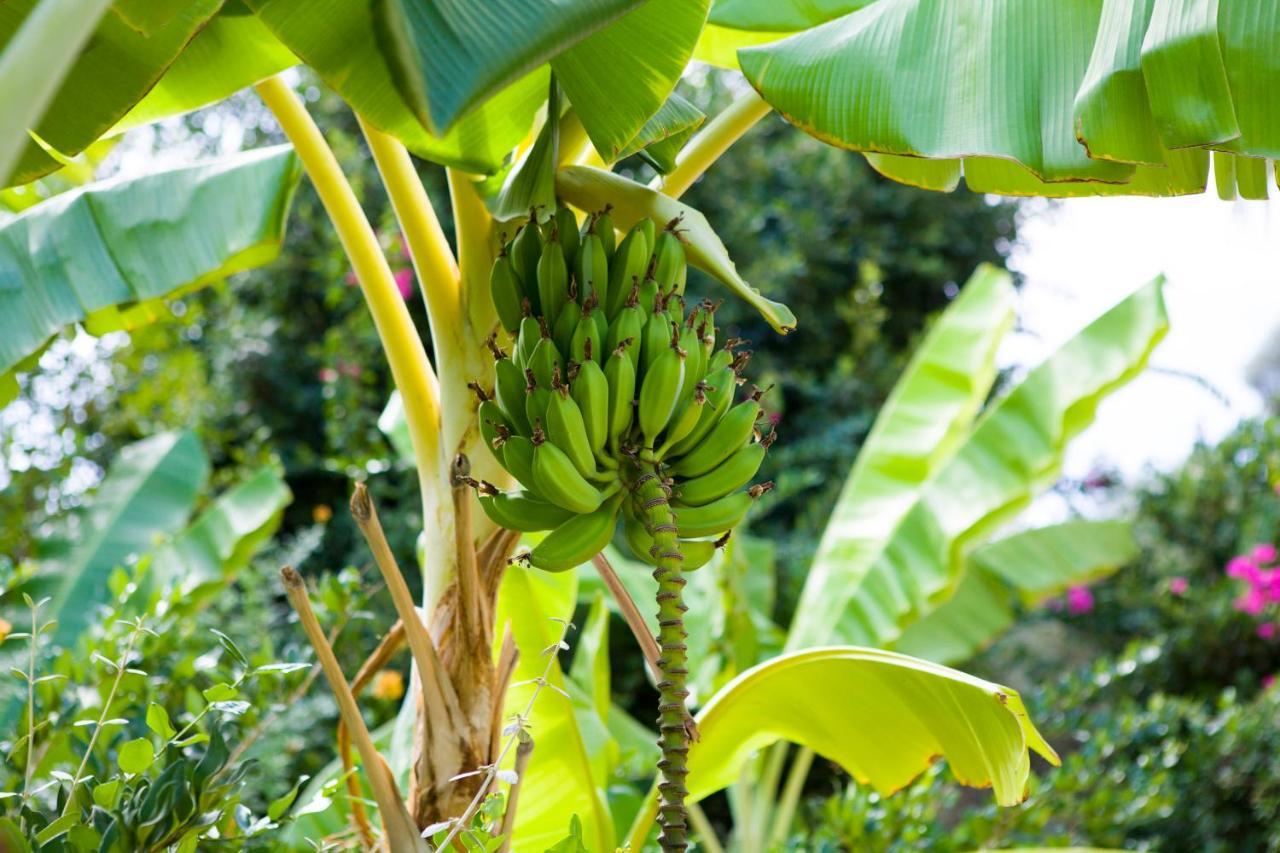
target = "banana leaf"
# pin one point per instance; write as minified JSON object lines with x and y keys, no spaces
{"x":927,"y":415}
{"x":1014,"y":450}
{"x":108,"y":254}
{"x":1023,"y":96}
{"x":1029,"y":566}
{"x":882,"y":716}
{"x":588,"y":188}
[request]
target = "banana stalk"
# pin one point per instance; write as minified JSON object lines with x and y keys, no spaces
{"x":673,"y":737}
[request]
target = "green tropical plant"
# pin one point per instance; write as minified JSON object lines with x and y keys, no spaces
{"x":526,"y":101}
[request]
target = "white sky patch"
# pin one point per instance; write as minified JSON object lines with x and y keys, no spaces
{"x":1222,"y":262}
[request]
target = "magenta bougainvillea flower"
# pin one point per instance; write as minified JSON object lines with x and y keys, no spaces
{"x":1178,"y":585}
{"x":1079,"y":600}
{"x":1262,"y":581}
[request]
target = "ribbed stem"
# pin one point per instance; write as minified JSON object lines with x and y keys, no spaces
{"x":673,"y":737}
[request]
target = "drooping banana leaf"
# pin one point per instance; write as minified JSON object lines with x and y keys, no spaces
{"x":588,"y":188}
{"x":1099,"y":92}
{"x":37,"y":48}
{"x":560,"y":779}
{"x":147,"y":494}
{"x":338,"y":40}
{"x":117,"y":66}
{"x":928,"y":413}
{"x":219,"y":543}
{"x":104,"y":255}
{"x":882,"y":716}
{"x":783,"y":16}
{"x":618,"y":78}
{"x":1014,"y":450}
{"x":665,"y":134}
{"x":448,"y":56}
{"x":1031,"y":565}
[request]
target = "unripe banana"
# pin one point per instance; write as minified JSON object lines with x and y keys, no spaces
{"x":509,"y":385}
{"x":647,"y":298}
{"x":655,"y":339}
{"x":649,"y":229}
{"x":517,"y":458}
{"x":695,"y":522}
{"x":536,"y":399}
{"x":586,"y":337}
{"x":545,"y":362}
{"x":626,"y":268}
{"x":696,"y":552}
{"x":659,"y":390}
{"x":556,"y":477}
{"x":567,"y":431}
{"x":505,"y":289}
{"x":591,"y":393}
{"x":695,"y":362}
{"x":732,"y":432}
{"x":577,"y":540}
{"x":621,"y":376}
{"x":530,"y":334}
{"x":604,"y":228}
{"x":729,"y":476}
{"x":494,"y":424}
{"x":720,"y":389}
{"x":565,"y":325}
{"x":553,"y":278}
{"x":567,"y":229}
{"x":629,"y":324}
{"x":526,"y":249}
{"x":688,"y":413}
{"x":669,"y":260}
{"x":592,"y":268}
{"x":520,"y":510}
{"x":720,"y":359}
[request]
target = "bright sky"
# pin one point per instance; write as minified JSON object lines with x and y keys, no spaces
{"x":1222,"y":262}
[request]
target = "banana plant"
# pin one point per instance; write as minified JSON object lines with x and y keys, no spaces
{"x":533,"y":101}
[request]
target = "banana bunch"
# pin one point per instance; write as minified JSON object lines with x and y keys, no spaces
{"x":609,"y":377}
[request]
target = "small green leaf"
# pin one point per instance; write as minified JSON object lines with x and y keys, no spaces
{"x":220,"y":692}
{"x":232,"y":649}
{"x":57,"y":829}
{"x":104,"y":795}
{"x":158,"y":721}
{"x":136,"y":755}
{"x":281,"y":805}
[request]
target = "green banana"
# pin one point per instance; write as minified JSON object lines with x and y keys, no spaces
{"x":655,"y":339}
{"x":520,"y":510}
{"x":587,"y":343}
{"x":626,"y":268}
{"x":629,"y":324}
{"x":649,"y":229}
{"x":719,"y":360}
{"x":730,"y":475}
{"x":567,"y":431}
{"x":567,"y":322}
{"x":556,"y":477}
{"x":659,"y":390}
{"x":505,"y":289}
{"x":494,"y":424}
{"x":577,"y":540}
{"x":695,"y":361}
{"x":553,"y":278}
{"x":620,"y":373}
{"x":509,"y":385}
{"x":567,"y":229}
{"x":668,"y":253}
{"x":527,"y":339}
{"x":526,"y":249}
{"x":546,"y":360}
{"x":733,"y":431}
{"x":592,"y":267}
{"x":590,"y":391}
{"x":536,"y":399}
{"x":719,"y":391}
{"x":517,"y":458}
{"x":687,"y":414}
{"x":604,"y":227}
{"x":712,"y":519}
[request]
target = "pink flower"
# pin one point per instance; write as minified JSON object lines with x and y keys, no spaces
{"x":404,"y":281}
{"x":1264,"y":555}
{"x":328,"y":374}
{"x":1268,"y":681}
{"x":1178,"y":585}
{"x":1242,"y":568}
{"x":351,"y":279}
{"x":1252,"y":602}
{"x":1079,"y":600}
{"x":1267,"y":630}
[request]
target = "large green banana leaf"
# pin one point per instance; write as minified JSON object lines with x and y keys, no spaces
{"x":117,"y":66}
{"x":588,"y":188}
{"x":36,"y":51}
{"x":560,"y":779}
{"x":220,"y":542}
{"x":338,"y":39}
{"x":1031,"y":565}
{"x":619,"y":77}
{"x":147,"y":494}
{"x":1029,"y":93}
{"x":665,"y":133}
{"x":927,"y":414}
{"x":104,"y":254}
{"x":1014,"y":450}
{"x":882,"y":716}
